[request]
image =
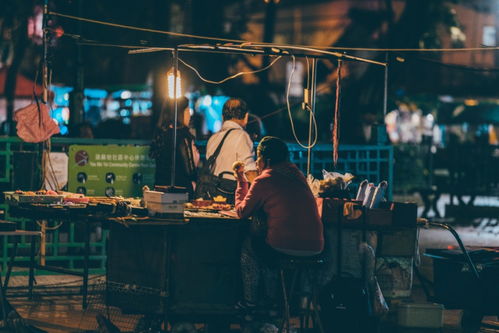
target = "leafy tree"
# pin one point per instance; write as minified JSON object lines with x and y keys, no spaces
{"x":13,"y":29}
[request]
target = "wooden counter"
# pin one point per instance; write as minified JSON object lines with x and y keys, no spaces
{"x":177,"y":267}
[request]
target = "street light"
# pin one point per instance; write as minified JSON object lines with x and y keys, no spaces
{"x":171,"y":87}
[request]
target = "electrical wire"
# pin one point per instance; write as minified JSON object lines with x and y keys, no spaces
{"x":315,"y":50}
{"x":230,"y":77}
{"x":308,"y":73}
{"x":293,"y":130}
{"x":281,"y":109}
{"x":87,"y":42}
{"x":130,"y":27}
{"x":332,"y":48}
{"x":462,"y":49}
{"x":287,"y":94}
{"x":336,"y":125}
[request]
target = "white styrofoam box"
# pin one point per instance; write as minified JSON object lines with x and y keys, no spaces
{"x":161,"y":197}
{"x":421,"y":315}
{"x":154,"y":207}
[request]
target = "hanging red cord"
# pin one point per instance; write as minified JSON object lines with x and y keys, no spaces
{"x":336,"y":131}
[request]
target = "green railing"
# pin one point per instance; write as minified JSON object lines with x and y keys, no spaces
{"x":64,"y":242}
{"x":64,"y":245}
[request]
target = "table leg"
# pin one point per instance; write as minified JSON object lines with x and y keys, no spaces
{"x":434,"y":204}
{"x":3,"y":303}
{"x":85,"y":265}
{"x":426,"y":202}
{"x":9,"y":265}
{"x":43,"y":241}
{"x":31,"y":267}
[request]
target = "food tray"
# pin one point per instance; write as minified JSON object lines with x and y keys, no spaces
{"x":38,"y":198}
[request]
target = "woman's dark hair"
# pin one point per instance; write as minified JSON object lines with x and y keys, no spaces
{"x":234,"y":108}
{"x":273,"y":150}
{"x":163,"y":133}
{"x":166,"y":116}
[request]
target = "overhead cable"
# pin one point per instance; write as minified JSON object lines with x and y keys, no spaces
{"x":247,"y":43}
{"x":232,"y":76}
{"x":293,"y":130}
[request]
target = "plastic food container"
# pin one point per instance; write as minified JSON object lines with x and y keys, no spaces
{"x":421,"y":315}
{"x":162,"y":208}
{"x":161,"y":197}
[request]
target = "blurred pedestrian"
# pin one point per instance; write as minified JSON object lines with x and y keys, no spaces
{"x":187,"y":155}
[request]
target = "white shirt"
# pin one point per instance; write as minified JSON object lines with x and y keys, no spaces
{"x":237,"y":147}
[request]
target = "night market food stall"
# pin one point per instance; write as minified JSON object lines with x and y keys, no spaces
{"x":187,"y":253}
{"x":167,"y":255}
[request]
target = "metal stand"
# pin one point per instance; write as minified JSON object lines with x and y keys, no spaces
{"x":175,"y":110}
{"x":311,"y":109}
{"x":471,"y":320}
{"x":4,"y":285}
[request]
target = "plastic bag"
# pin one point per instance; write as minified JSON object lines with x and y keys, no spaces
{"x":346,"y":178}
{"x":34,"y":123}
{"x":314,"y":185}
{"x":379,"y":307}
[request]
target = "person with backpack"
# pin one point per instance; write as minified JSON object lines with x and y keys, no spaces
{"x":230,"y":144}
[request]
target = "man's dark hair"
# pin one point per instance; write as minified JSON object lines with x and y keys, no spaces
{"x":234,"y":108}
{"x":273,"y":150}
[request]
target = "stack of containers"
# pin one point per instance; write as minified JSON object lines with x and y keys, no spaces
{"x":167,"y":205}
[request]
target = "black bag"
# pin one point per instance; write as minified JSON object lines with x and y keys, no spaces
{"x":210,"y":185}
{"x":344,"y":304}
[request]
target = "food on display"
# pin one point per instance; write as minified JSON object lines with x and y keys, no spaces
{"x":42,"y":197}
{"x":220,"y":199}
{"x":201,"y":204}
{"x":47,"y":201}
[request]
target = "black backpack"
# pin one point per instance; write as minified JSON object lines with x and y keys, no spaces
{"x":210,"y":185}
{"x":344,"y":304}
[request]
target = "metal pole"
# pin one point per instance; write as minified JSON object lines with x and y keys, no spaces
{"x":45,"y":52}
{"x":311,"y":108}
{"x":385,"y":87}
{"x":175,"y":106}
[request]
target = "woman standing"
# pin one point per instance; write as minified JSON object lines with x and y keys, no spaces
{"x":187,"y":155}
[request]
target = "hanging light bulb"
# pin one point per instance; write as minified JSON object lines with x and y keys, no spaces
{"x":171,"y":78}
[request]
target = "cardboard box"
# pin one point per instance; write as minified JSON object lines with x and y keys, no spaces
{"x":332,"y":210}
{"x":398,"y":243}
{"x":421,"y":315}
{"x":404,"y":213}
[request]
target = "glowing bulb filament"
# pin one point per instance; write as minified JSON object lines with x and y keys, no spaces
{"x":171,"y":78}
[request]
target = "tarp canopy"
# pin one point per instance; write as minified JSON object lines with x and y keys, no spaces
{"x":24,"y":86}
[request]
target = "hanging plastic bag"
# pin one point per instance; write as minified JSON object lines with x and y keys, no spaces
{"x":34,"y":123}
{"x":378,"y":304}
{"x":314,"y":185}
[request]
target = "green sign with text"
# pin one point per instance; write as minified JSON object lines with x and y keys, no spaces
{"x":109,"y":170}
